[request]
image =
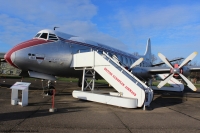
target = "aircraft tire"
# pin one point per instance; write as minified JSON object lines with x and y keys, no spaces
{"x":49,"y":90}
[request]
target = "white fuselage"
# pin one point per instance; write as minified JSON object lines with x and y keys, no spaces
{"x":50,"y":52}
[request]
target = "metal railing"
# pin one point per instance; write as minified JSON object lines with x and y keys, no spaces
{"x":118,"y":66}
{"x":125,"y":72}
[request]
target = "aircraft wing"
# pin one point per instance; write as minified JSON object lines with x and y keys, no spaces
{"x":194,"y":68}
{"x":158,"y":70}
{"x":161,"y":70}
{"x":158,"y":64}
{"x":151,"y":70}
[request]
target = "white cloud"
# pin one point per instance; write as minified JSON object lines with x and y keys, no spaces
{"x":45,"y":10}
{"x":172,"y":29}
{"x":22,"y":19}
{"x":164,"y":17}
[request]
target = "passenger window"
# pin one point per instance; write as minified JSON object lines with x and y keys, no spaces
{"x":132,"y":61}
{"x":100,"y":51}
{"x":126,"y":61}
{"x":110,"y":55}
{"x":121,"y":58}
{"x":129,"y":61}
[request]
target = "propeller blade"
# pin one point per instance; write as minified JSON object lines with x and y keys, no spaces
{"x":189,"y":84}
{"x":162,"y":83}
{"x":164,"y":59}
{"x":137,"y":62}
{"x":188,"y":59}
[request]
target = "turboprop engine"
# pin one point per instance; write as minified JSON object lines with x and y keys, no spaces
{"x":177,"y":70}
{"x":142,"y":73}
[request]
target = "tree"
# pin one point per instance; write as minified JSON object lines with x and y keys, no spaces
{"x":135,"y":54}
{"x":153,"y":57}
{"x":194,"y":75}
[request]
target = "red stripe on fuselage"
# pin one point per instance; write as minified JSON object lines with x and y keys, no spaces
{"x":26,"y":44}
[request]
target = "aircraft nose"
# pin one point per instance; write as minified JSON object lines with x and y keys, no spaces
{"x":13,"y":57}
{"x":10,"y":57}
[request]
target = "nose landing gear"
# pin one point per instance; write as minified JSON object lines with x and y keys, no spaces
{"x":49,"y":89}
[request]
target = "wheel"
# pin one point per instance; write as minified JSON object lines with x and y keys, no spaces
{"x":49,"y":90}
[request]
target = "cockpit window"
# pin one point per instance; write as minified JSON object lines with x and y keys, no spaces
{"x":53,"y":37}
{"x":38,"y":34}
{"x":49,"y":36}
{"x":44,"y":35}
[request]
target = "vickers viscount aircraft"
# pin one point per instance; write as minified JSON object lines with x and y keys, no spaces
{"x":50,"y":54}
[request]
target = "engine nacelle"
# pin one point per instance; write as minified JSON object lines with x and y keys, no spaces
{"x":141,"y":73}
{"x":186,"y":71}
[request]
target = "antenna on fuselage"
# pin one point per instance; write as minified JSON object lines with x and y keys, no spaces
{"x":55,"y":28}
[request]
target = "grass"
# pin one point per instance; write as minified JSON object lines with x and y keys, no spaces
{"x":58,"y":78}
{"x":197,"y":85}
{"x":10,"y":77}
{"x":155,"y":83}
{"x":67,"y":79}
{"x":101,"y":81}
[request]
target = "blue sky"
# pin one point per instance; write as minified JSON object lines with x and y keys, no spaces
{"x":172,"y":25}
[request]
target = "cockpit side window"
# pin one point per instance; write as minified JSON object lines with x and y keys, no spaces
{"x":44,"y":35}
{"x":53,"y":37}
{"x":38,"y":34}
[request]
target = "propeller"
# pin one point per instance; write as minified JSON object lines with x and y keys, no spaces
{"x":137,"y":62}
{"x":177,"y":70}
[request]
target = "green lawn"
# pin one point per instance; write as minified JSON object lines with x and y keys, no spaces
{"x":67,"y":79}
{"x":101,"y":81}
{"x":155,"y":83}
{"x":197,"y":85}
{"x":9,"y":77}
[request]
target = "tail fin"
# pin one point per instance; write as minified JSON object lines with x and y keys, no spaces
{"x":147,"y":54}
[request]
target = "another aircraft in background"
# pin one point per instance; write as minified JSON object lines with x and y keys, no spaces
{"x":50,"y":54}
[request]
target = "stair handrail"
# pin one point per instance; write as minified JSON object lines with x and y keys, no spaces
{"x":129,"y":73}
{"x":145,"y":87}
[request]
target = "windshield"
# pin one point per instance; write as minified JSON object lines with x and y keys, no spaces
{"x":46,"y":36}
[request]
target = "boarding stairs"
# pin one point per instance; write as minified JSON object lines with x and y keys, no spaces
{"x":131,"y":92}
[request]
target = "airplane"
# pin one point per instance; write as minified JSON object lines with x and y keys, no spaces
{"x":50,"y":54}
